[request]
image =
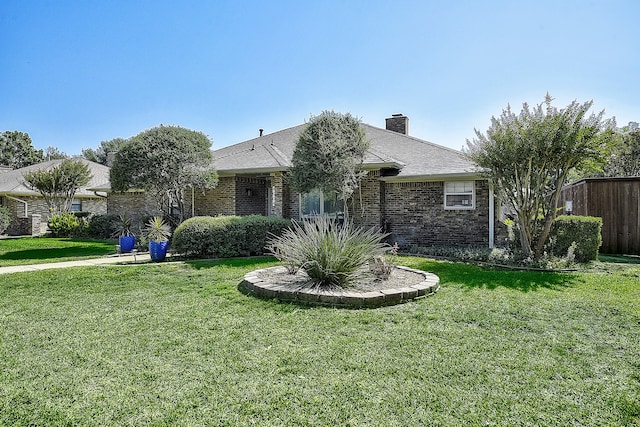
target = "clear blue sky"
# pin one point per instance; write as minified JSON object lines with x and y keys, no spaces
{"x":75,"y":73}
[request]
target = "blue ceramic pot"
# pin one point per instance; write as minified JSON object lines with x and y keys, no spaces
{"x":127,"y":243}
{"x":158,"y":250}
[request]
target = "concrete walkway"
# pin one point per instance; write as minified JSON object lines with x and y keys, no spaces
{"x":116,"y":259}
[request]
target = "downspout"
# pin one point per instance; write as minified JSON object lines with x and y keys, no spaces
{"x":492,"y":214}
{"x":26,"y":205}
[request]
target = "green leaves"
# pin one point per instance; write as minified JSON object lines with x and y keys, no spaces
{"x":16,"y":150}
{"x":59,"y":184}
{"x":328,"y":155}
{"x":529,"y":156}
{"x":331,"y":254}
{"x":164,"y":161}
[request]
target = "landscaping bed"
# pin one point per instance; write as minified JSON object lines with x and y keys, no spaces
{"x":404,"y":284}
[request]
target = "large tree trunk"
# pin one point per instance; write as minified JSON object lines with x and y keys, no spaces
{"x":551,"y":215}
{"x":525,"y":235}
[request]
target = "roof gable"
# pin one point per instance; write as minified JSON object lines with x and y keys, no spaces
{"x":412,"y":157}
{"x":12,"y":182}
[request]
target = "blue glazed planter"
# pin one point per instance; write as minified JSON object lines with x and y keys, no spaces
{"x":158,"y":250}
{"x":127,"y":243}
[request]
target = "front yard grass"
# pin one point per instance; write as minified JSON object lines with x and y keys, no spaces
{"x":36,"y":250}
{"x":177,"y":344}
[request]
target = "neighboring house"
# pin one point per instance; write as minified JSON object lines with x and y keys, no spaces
{"x":617,"y":202}
{"x":28,"y":208}
{"x":421,"y":193}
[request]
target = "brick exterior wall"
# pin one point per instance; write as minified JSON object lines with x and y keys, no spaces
{"x":365,"y":204}
{"x":135,"y":205}
{"x":414,"y":214}
{"x":251,"y":196}
{"x":291,"y":203}
{"x":95,"y":206}
{"x":218,"y":201}
{"x":36,"y":205}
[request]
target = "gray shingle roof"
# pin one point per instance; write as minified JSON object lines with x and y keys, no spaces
{"x":12,"y":182}
{"x":413,"y":157}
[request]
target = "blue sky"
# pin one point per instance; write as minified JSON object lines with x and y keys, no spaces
{"x":75,"y":73}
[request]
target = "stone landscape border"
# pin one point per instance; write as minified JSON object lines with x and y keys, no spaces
{"x":254,"y":285}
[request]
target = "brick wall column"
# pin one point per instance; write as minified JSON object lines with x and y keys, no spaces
{"x":277,"y":194}
{"x":35,"y":225}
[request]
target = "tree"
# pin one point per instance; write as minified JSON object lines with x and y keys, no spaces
{"x":54,"y":153}
{"x":329,"y":155}
{"x":529,"y":156}
{"x":17,"y":151}
{"x":102,"y":153}
{"x":58,"y":185}
{"x":625,"y":159}
{"x":164,"y":161}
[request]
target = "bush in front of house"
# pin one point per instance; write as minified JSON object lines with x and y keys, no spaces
{"x":583,"y":232}
{"x":226,"y":236}
{"x":67,"y":225}
{"x":5,"y":219}
{"x":101,"y":225}
{"x":332,"y":254}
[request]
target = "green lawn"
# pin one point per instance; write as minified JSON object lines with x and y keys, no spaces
{"x":177,"y":344}
{"x":33,"y":250}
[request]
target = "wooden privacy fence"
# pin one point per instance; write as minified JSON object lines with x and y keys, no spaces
{"x":617,"y":202}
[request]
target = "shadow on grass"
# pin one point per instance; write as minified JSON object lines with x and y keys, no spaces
{"x":54,"y":253}
{"x":471,"y":276}
{"x":619,"y":259}
{"x":199,"y":264}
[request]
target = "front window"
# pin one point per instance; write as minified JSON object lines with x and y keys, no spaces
{"x":76,"y":205}
{"x":459,"y":195}
{"x":316,"y":203}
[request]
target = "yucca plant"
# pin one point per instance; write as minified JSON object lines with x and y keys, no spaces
{"x":332,"y":254}
{"x":157,"y":230}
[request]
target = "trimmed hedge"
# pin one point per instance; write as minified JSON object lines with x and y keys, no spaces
{"x":585,"y":231}
{"x":101,"y":225}
{"x":226,"y":236}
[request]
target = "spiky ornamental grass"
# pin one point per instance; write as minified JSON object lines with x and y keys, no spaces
{"x":332,"y":254}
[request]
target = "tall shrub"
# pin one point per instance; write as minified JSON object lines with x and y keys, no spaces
{"x":329,"y":155}
{"x":585,"y":231}
{"x":226,"y":236}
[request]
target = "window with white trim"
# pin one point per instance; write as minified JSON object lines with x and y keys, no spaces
{"x":459,"y":195}
{"x":316,"y":203}
{"x":76,"y":205}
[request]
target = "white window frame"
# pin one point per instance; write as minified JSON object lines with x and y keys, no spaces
{"x":313,"y":215}
{"x":452,"y":192}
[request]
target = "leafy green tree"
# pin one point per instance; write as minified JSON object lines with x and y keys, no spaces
{"x":625,"y":159}
{"x":529,"y":156}
{"x":164,"y":161}
{"x":58,"y":185}
{"x":329,"y":155}
{"x":54,"y":153}
{"x":17,"y":151}
{"x":102,"y":153}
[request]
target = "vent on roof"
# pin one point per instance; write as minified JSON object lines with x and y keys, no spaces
{"x":261,"y":130}
{"x":398,"y":123}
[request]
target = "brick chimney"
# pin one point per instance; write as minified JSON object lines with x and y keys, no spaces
{"x":398,"y":123}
